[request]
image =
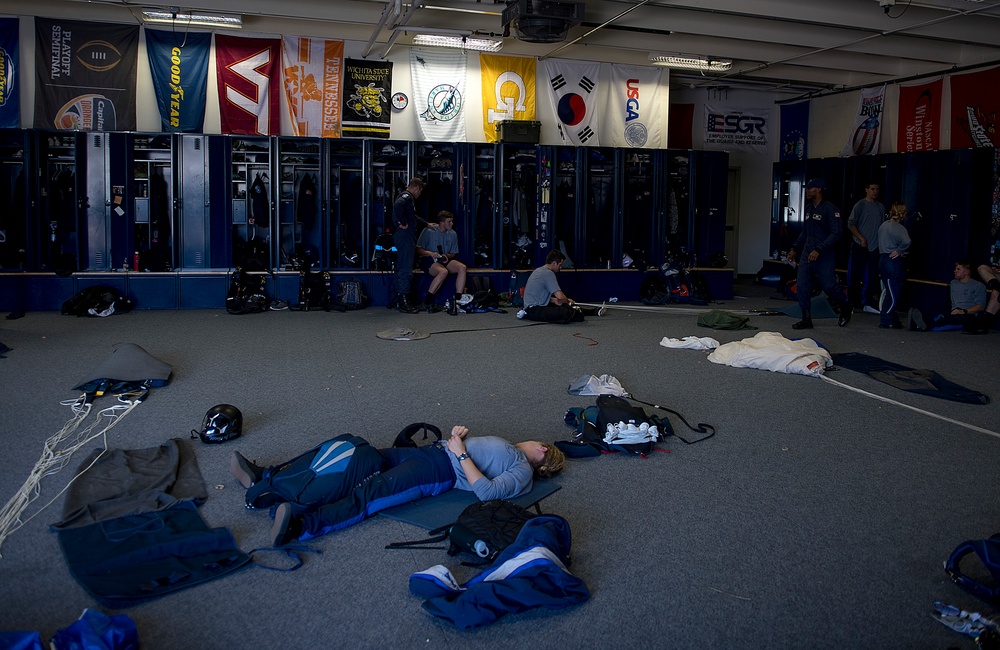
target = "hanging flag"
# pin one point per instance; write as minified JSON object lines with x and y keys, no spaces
{"x":680,"y":127}
{"x":313,"y":68}
{"x":367,"y":87}
{"x":737,"y":129}
{"x":572,"y":92}
{"x":10,"y":97}
{"x":85,"y":75}
{"x":867,"y":130}
{"x":919,"y":117}
{"x":794,"y":131}
{"x":178,"y":63}
{"x":975,"y":103}
{"x":247,"y":71}
{"x":508,"y":89}
{"x":637,"y":107}
{"x":439,"y":93}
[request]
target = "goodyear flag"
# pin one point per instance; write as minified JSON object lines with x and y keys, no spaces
{"x":737,"y":129}
{"x":919,"y":117}
{"x":867,"y":129}
{"x":508,"y":89}
{"x":439,"y":93}
{"x":85,"y":75}
{"x":572,"y":90}
{"x":367,"y":89}
{"x":794,"y":131}
{"x":637,"y":107}
{"x":975,"y":104}
{"x":10,"y":100}
{"x":178,"y":63}
{"x":247,"y":71}
{"x":313,"y":68}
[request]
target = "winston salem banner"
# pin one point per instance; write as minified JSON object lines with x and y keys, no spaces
{"x":737,"y":129}
{"x":367,"y":87}
{"x":247,"y":70}
{"x":867,"y":130}
{"x":919,"y":117}
{"x":85,"y":75}
{"x":975,"y":104}
{"x":636,"y":109}
{"x":571,"y":87}
{"x":313,"y":70}
{"x":508,"y":89}
{"x":794,"y":131}
{"x":10,"y":97}
{"x":438,"y":78}
{"x":178,"y":63}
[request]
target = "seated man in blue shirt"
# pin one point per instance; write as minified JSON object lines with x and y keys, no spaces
{"x":968,"y":304}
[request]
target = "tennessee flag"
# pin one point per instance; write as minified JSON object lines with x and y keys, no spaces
{"x":508,"y":87}
{"x":312,"y":69}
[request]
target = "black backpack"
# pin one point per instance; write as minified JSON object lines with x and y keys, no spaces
{"x":384,"y":253}
{"x":351,"y":294}
{"x":246,"y":293}
{"x":326,"y":473}
{"x":484,"y":529}
{"x":98,"y":300}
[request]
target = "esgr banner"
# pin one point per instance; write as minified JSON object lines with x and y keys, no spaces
{"x":178,"y":63}
{"x":10,"y":97}
{"x":85,"y":75}
{"x":737,"y":129}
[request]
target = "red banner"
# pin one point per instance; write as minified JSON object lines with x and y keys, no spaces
{"x":249,"y":75}
{"x":920,"y":117}
{"x":975,"y":102}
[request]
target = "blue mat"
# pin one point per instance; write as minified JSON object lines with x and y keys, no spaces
{"x":433,"y":512}
{"x":819,"y":305}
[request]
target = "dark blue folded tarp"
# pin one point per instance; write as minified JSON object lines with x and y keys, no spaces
{"x":923,"y":382}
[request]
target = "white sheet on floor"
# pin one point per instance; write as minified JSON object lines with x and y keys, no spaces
{"x":772,"y":351}
{"x":690,"y":343}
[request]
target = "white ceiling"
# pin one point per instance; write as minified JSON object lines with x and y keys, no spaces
{"x":789,"y":46}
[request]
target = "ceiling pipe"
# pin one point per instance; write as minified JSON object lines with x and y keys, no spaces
{"x":604,"y":24}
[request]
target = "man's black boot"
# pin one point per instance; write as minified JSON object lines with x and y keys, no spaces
{"x":403,"y":305}
{"x":453,"y":305}
{"x":806,"y":323}
{"x":430,"y":306}
{"x":846,"y":311}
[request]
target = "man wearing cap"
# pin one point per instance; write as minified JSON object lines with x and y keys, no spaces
{"x":821,"y":228}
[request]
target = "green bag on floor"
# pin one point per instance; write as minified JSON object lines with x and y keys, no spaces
{"x":724,"y":320}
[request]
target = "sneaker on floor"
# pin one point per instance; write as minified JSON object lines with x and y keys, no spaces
{"x":433,"y":308}
{"x":916,"y":321}
{"x":804,"y":324}
{"x":285,"y":528}
{"x":245,"y":472}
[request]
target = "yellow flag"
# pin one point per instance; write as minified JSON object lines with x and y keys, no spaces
{"x":508,"y":90}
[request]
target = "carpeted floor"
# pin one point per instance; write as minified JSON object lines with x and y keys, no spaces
{"x":816,"y":517}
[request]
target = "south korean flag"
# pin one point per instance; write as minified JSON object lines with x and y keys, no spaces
{"x":572,"y":91}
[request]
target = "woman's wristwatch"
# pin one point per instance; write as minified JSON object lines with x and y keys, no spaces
{"x":462,"y":456}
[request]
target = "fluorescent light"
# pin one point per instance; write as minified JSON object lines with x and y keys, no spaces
{"x":691,"y":62}
{"x":200,"y":20}
{"x":459,"y":42}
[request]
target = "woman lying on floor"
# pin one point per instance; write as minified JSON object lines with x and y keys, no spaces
{"x":491,"y":467}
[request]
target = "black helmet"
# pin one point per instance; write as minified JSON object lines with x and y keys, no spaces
{"x":222,"y":422}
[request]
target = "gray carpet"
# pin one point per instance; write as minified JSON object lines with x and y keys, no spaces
{"x":816,"y":517}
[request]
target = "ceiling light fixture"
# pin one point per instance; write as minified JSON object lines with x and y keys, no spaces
{"x":198,"y":20}
{"x":691,"y":62}
{"x":458,"y":42}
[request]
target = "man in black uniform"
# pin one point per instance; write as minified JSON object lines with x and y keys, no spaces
{"x":408,"y":225}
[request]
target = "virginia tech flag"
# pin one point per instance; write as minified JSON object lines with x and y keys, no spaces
{"x":508,"y":87}
{"x":438,"y":77}
{"x":637,"y":107}
{"x":572,"y":91}
{"x":313,"y":70}
{"x":867,"y":130}
{"x":247,"y":70}
{"x":920,"y":117}
{"x":975,"y":103}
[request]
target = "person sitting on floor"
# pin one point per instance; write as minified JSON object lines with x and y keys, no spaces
{"x":991,"y":276}
{"x":490,"y":467}
{"x":968,"y":302}
{"x":437,"y":250}
{"x":543,"y":299}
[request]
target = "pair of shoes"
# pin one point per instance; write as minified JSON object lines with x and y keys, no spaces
{"x":845,"y":315}
{"x":245,"y":472}
{"x":433,"y":308}
{"x":804,"y":324}
{"x":915,"y":321}
{"x":405,"y":307}
{"x":286,"y":527}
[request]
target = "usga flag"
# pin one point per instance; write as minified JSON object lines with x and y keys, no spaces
{"x":572,"y":91}
{"x":637,"y":107}
{"x":508,"y":87}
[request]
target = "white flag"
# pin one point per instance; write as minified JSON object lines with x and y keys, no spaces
{"x":438,"y":87}
{"x":637,"y":107}
{"x":867,"y":129}
{"x":572,"y":93}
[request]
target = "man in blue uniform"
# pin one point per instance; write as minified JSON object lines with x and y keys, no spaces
{"x":821,"y":228}
{"x":404,"y":216}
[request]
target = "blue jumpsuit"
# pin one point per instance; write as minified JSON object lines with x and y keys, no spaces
{"x":405,"y":240}
{"x":820,"y":232}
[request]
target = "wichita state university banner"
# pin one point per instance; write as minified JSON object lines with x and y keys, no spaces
{"x":508,"y":88}
{"x":368,"y":87}
{"x":313,"y":68}
{"x":248,"y":70}
{"x":178,"y":64}
{"x":10,"y":75}
{"x":85,"y":75}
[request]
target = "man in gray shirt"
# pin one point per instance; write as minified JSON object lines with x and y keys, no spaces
{"x":968,"y":302}
{"x":866,"y":217}
{"x":543,"y":299}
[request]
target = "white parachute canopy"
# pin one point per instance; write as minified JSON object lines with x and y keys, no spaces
{"x":591,"y":385}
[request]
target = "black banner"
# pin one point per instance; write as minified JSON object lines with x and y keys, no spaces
{"x":367,"y":89}
{"x":85,"y":75}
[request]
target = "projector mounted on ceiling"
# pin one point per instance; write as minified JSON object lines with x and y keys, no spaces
{"x":541,"y":21}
